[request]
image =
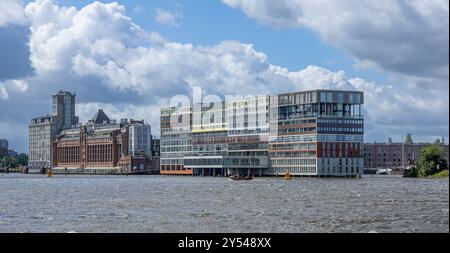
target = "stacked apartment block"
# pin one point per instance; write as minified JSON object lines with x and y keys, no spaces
{"x":308,"y":133}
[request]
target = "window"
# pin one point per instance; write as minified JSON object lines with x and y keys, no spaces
{"x":340,"y":98}
{"x":329,"y":97}
{"x":358,"y":98}
{"x":323,"y":97}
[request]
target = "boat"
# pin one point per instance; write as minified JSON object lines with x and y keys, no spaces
{"x":384,"y":171}
{"x":287,"y":175}
{"x":234,"y":177}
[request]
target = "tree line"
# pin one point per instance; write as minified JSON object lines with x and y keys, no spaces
{"x":432,"y":160}
{"x":14,"y":161}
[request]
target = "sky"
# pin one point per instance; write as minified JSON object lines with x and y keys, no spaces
{"x":131,"y":57}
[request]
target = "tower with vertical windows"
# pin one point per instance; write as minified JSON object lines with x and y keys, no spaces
{"x":63,"y":106}
{"x":42,"y":130}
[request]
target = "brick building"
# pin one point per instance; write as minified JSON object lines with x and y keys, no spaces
{"x":100,"y":147}
{"x":394,"y":154}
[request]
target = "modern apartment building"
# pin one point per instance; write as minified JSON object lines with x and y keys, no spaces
{"x":316,"y":133}
{"x":209,"y":140}
{"x":176,"y":140}
{"x":43,"y":130}
{"x":310,"y":133}
{"x":247,"y":136}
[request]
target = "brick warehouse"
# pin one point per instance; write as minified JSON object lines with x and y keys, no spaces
{"x":102,"y":146}
{"x":394,"y":155}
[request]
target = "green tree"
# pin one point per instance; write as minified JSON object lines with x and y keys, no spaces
{"x":431,"y":160}
{"x":22,"y":159}
{"x":411,"y":172}
{"x":9,"y":162}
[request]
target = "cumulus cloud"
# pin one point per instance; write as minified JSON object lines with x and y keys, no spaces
{"x":3,"y":93}
{"x":11,"y":13}
{"x":167,"y":18}
{"x":114,"y":64}
{"x":14,"y":50}
{"x":407,"y":37}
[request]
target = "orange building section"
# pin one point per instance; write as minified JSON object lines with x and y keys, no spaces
{"x":174,"y":170}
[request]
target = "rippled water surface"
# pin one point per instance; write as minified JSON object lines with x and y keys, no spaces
{"x":35,"y":203}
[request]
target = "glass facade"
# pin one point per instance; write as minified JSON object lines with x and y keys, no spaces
{"x":267,"y":135}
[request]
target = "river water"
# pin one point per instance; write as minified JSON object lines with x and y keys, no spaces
{"x":35,"y":203}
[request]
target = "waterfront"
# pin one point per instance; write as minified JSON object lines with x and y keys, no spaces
{"x":35,"y":203}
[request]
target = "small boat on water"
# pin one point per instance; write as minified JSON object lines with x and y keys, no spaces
{"x":288,"y":175}
{"x":234,"y":177}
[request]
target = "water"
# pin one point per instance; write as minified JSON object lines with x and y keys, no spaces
{"x":35,"y":203}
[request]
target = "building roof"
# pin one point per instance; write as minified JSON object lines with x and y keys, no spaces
{"x":63,"y":92}
{"x":100,"y":117}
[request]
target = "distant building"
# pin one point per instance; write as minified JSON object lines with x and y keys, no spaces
{"x":140,"y":138}
{"x":156,"y":146}
{"x":394,"y":154}
{"x":63,"y":106}
{"x":4,"y":144}
{"x":3,"y":147}
{"x":43,"y":130}
{"x":12,"y":153}
{"x":100,"y":118}
{"x":102,"y":147}
{"x":91,"y":145}
{"x":156,"y":153}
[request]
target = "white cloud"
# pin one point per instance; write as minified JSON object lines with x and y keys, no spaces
{"x":21,"y":85}
{"x":113,"y":64}
{"x":12,"y":86}
{"x":11,"y":13}
{"x":3,"y":93}
{"x":167,"y":18}
{"x":14,"y":50}
{"x":407,"y":37}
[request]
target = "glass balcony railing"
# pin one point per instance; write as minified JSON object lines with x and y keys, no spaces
{"x":314,"y":115}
